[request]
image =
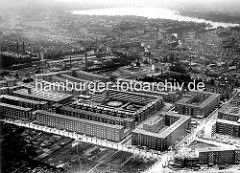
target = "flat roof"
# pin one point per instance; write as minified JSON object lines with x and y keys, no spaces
{"x":153,"y":120}
{"x":79,"y":119}
{"x":22,"y":99}
{"x":57,"y":78}
{"x":45,"y":95}
{"x":52,"y":73}
{"x":236,"y":123}
{"x":182,"y":119}
{"x":93,"y":113}
{"x":105,"y":108}
{"x":236,"y":98}
{"x":208,"y":149}
{"x":74,"y":78}
{"x":189,"y":95}
{"x":92,"y":74}
{"x":154,"y":84}
{"x":134,"y":93}
{"x":231,"y":110}
{"x":165,"y":133}
{"x":15,"y":107}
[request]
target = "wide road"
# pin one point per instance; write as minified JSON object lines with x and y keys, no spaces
{"x":88,"y":139}
{"x":192,"y":136}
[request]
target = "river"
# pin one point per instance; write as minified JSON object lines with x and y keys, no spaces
{"x":152,"y":13}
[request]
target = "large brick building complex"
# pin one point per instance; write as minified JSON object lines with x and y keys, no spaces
{"x":15,"y":112}
{"x":197,"y":104}
{"x":174,"y":128}
{"x":82,"y":126}
{"x":228,"y":122}
{"x":27,"y":103}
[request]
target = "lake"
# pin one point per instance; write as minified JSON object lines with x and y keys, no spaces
{"x":152,"y":13}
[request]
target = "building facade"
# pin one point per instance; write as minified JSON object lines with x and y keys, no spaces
{"x":15,"y":112}
{"x":197,"y":104}
{"x":228,"y":122}
{"x":82,"y":126}
{"x":47,"y":96}
{"x":166,"y":137}
{"x":217,"y":155}
{"x":26,"y":103}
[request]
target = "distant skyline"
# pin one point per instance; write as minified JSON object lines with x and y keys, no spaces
{"x":230,"y":7}
{"x":146,"y":2}
{"x":222,"y":5}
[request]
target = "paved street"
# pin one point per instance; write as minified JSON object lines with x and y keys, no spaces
{"x":215,"y":143}
{"x":84,"y":138}
{"x":192,"y":136}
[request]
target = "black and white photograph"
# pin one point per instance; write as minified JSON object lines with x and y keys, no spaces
{"x":119,"y":86}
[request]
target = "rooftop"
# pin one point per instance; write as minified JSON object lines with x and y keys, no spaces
{"x":208,"y":149}
{"x":15,"y":107}
{"x":52,"y":73}
{"x":93,"y":113}
{"x":153,"y":120}
{"x":236,"y":98}
{"x":229,"y":122}
{"x":170,"y":129}
{"x":45,"y":95}
{"x":22,"y":99}
{"x":231,"y":110}
{"x":78,"y":119}
{"x":188,"y":98}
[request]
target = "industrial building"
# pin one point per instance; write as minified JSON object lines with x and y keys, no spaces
{"x":175,"y":127}
{"x":90,"y":76}
{"x":48,"y":76}
{"x":82,"y":126}
{"x":197,"y":104}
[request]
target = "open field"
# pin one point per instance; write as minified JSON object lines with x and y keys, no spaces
{"x":44,"y":152}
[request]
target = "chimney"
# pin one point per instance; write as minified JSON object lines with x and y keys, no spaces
{"x":190,"y":63}
{"x":29,"y":91}
{"x":17,"y":48}
{"x":23,"y":47}
{"x":86,"y":60}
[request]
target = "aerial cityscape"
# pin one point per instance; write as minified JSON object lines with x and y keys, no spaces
{"x":124,"y":86}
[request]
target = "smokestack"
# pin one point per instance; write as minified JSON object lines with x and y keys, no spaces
{"x":23,"y":47}
{"x":86,"y":60}
{"x":17,"y":48}
{"x":190,"y":62}
{"x":29,"y":91}
{"x":41,"y":55}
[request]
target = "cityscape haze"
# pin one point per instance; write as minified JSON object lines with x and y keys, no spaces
{"x":123,"y":86}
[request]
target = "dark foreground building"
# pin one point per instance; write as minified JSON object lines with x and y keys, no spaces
{"x":82,"y":126}
{"x":175,"y":127}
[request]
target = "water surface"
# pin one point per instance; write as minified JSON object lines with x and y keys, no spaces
{"x":152,"y":13}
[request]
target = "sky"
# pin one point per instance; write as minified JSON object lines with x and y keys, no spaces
{"x":227,"y":5}
{"x":170,"y":1}
{"x":143,"y":1}
{"x":150,"y":3}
